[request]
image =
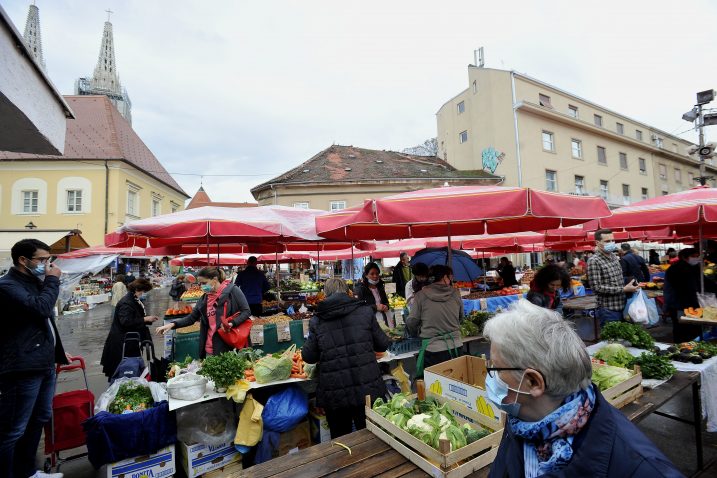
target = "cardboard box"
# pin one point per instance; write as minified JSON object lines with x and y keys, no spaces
{"x":319,"y":428}
{"x":157,"y":465}
{"x":462,"y":380}
{"x":198,"y":458}
{"x":226,"y":470}
{"x":294,"y":440}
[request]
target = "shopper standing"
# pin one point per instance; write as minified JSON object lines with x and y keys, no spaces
{"x":344,"y":338}
{"x":654,"y":258}
{"x":546,"y":286}
{"x":178,"y":288}
{"x":402,"y":274}
{"x":435,"y":317}
{"x":605,"y":278}
{"x":119,"y":290}
{"x":30,"y":346}
{"x":506,"y":271}
{"x":633,"y":266}
{"x":371,"y":290}
{"x":129,"y":316}
{"x":253,"y":283}
{"x":420,"y":279}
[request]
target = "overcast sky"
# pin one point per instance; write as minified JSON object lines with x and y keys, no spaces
{"x":257,"y":87}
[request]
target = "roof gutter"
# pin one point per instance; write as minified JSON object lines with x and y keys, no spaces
{"x":348,"y":181}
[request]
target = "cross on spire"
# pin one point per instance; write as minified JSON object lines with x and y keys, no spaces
{"x":109,"y":12}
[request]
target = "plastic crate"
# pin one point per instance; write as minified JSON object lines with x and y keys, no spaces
{"x":405,"y":345}
{"x":186,"y":344}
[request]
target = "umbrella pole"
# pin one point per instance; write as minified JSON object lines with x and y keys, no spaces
{"x":449,"y":258}
{"x":276,"y":272}
{"x":702,"y":263}
{"x":352,"y":261}
{"x":208,"y":252}
{"x":318,"y":260}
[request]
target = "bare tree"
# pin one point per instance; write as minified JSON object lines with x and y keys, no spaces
{"x":428,"y":148}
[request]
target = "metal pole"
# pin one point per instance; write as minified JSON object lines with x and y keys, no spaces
{"x":702,"y":262}
{"x":352,"y":261}
{"x":703,"y":172}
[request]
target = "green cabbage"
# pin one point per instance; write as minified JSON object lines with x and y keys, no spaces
{"x":614,"y":354}
{"x":607,"y":376}
{"x":272,"y":369}
{"x":472,"y":434}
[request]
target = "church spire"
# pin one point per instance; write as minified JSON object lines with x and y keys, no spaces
{"x":32,"y":37}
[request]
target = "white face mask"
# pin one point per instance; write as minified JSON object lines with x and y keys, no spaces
{"x":373,"y":282}
{"x":693,"y":261}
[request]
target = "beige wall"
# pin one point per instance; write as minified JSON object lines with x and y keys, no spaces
{"x":490,"y":122}
{"x":53,"y":178}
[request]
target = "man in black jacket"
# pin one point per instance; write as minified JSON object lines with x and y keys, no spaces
{"x":29,"y":349}
{"x":402,"y":274}
{"x":633,"y":266}
{"x":344,"y":337}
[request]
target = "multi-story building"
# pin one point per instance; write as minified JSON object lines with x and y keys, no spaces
{"x":106,"y":176}
{"x":344,"y":176}
{"x":537,"y":135}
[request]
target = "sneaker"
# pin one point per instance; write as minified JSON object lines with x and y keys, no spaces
{"x":42,"y":474}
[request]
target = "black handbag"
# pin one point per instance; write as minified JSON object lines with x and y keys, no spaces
{"x":158,"y":367}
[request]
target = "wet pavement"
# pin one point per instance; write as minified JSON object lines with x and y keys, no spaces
{"x":84,"y":334}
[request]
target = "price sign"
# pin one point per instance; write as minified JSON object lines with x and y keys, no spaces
{"x":256,"y":335}
{"x":305,"y":326}
{"x":283,"y":332}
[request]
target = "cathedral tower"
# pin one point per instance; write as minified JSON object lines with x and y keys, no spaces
{"x":32,"y":37}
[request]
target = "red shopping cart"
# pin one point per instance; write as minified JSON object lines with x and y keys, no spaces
{"x":69,"y":410}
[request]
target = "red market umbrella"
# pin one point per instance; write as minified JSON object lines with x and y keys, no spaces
{"x":104,"y":251}
{"x":460,"y":210}
{"x":385,"y":249}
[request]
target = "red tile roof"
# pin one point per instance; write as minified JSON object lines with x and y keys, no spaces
{"x":99,"y":132}
{"x":338,"y":164}
{"x":202,"y":199}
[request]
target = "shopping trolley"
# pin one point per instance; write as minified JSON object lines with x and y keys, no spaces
{"x":69,"y":410}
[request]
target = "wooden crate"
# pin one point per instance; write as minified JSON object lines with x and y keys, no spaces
{"x":625,"y":392}
{"x":445,"y":463}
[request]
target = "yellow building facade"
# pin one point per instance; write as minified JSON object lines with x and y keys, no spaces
{"x":106,"y":177}
{"x":536,"y":135}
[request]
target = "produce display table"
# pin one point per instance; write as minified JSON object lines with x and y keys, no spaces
{"x":97,"y":299}
{"x":577,"y":291}
{"x":701,"y":322}
{"x":583,"y":306}
{"x":370,"y":456}
{"x":491,"y":304}
{"x":708,"y":378}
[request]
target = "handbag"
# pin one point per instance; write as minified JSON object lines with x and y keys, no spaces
{"x":236,"y":337}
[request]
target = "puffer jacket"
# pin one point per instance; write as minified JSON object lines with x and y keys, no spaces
{"x":543,"y":300}
{"x":437,"y":309}
{"x":235,"y":301}
{"x":128,"y":317}
{"x":27,"y":304}
{"x":343,"y":338}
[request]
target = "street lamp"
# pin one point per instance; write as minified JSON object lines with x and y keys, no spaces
{"x":705,"y":151}
{"x":30,"y":226}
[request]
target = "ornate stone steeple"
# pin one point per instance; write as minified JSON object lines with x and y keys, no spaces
{"x":32,"y":37}
{"x":105,"y":80}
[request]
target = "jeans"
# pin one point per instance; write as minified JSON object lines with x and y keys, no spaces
{"x":607,"y":315}
{"x":342,"y":420}
{"x":25,"y":407}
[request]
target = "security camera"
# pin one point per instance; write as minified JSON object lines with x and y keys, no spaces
{"x":693,"y":150}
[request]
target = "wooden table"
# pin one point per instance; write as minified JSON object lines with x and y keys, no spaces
{"x":372,"y":457}
{"x":585,"y":305}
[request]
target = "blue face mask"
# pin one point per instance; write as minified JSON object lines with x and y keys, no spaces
{"x":206,"y":288}
{"x":39,"y":270}
{"x":143,"y":297}
{"x":610,"y":247}
{"x":497,"y":391}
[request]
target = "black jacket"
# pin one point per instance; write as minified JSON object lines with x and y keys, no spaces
{"x":542,"y":300}
{"x":343,"y":338}
{"x":507,"y":273}
{"x":178,"y":288}
{"x":608,"y":446}
{"x":400,"y":280}
{"x":26,"y":343}
{"x":363,"y":292}
{"x":234,"y":298}
{"x":634,"y":267}
{"x":129,"y":317}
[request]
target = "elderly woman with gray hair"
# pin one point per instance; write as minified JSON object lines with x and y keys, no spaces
{"x":344,"y":337}
{"x":558,"y":422}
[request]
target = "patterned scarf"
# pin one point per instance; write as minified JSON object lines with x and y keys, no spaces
{"x":549,"y":436}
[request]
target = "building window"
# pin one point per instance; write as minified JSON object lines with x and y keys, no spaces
{"x":461,"y":107}
{"x":132,"y":203}
{"x":663,"y":171}
{"x":603,"y":189}
{"x":29,"y":201}
{"x":475,"y":86}
{"x":675,"y":148}
{"x":548,"y":143}
{"x":544,"y":100}
{"x":551,"y":180}
{"x":638,"y":135}
{"x":598,"y":120}
{"x":74,"y":200}
{"x":174,"y":208}
{"x":659,"y":142}
{"x":156,"y":207}
{"x":573,"y":111}
{"x":337,"y":205}
{"x":665,"y":192}
{"x":577,"y":148}
{"x":620,"y":128}
{"x":626,"y":194}
{"x":678,"y":175}
{"x":301,"y":205}
{"x":602,"y":156}
{"x":580,"y":185}
{"x":623,"y":161}
{"x":691,"y":178}
{"x":463,"y":137}
{"x":644,"y":193}
{"x":643,"y":165}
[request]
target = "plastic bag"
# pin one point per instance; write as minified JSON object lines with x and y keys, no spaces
{"x":271,"y":369}
{"x":250,"y":428}
{"x":209,"y":423}
{"x":653,"y":315}
{"x":707,"y":300}
{"x":402,"y":378}
{"x":636,"y":308}
{"x":187,"y":386}
{"x":158,"y":390}
{"x":285,"y":409}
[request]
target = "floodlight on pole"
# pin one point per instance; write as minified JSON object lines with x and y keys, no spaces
{"x":691,"y":115}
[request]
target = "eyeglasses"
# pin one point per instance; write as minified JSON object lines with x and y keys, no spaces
{"x":42,"y":260}
{"x":492,"y":370}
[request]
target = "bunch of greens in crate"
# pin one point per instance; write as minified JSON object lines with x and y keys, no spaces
{"x":654,"y":366}
{"x":428,"y":420}
{"x":473,"y":324}
{"x":225,"y":369}
{"x":131,"y":397}
{"x":633,"y":333}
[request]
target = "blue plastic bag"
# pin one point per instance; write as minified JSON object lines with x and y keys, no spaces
{"x":282,"y":412}
{"x":640,"y":309}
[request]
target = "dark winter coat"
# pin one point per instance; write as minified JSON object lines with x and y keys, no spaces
{"x":542,"y":300}
{"x":363,"y":292}
{"x":399,"y":280}
{"x":507,"y":273}
{"x":634,"y":267}
{"x":253,"y":283}
{"x":235,"y":301}
{"x":26,"y":343}
{"x":128,"y":317}
{"x":343,"y":338}
{"x":608,"y":446}
{"x":178,"y":288}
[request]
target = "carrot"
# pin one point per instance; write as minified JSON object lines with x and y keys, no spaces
{"x":297,"y":375}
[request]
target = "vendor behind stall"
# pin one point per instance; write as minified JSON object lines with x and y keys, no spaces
{"x":371,"y":290}
{"x":507,"y":272}
{"x":221,"y":299}
{"x":545,"y":288}
{"x":343,"y":338}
